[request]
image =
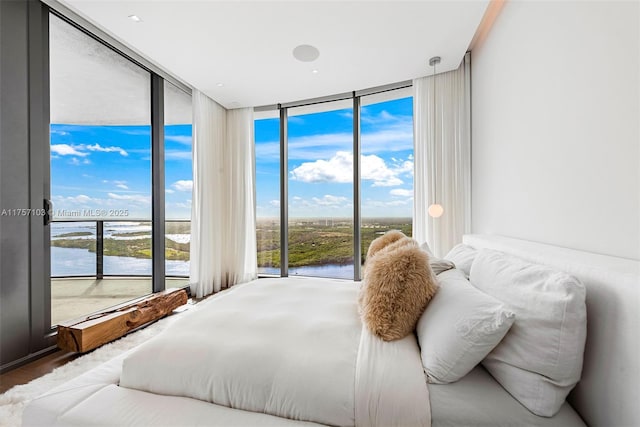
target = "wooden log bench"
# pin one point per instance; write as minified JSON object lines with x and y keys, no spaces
{"x":85,"y":334}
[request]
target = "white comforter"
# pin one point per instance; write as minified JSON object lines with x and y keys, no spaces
{"x":293,"y":348}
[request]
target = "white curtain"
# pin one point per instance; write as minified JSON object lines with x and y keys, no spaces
{"x":442,"y":151}
{"x":223,"y":240}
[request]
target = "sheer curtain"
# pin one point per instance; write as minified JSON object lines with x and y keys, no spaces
{"x":223,"y":241}
{"x":442,"y":158}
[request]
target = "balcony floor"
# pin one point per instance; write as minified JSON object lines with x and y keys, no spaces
{"x":76,"y":297}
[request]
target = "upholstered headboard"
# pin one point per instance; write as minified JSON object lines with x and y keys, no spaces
{"x":609,"y":392}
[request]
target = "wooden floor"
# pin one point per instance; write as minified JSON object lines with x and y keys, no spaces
{"x":78,"y":300}
{"x":35,"y":369}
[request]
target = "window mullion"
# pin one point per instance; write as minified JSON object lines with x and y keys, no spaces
{"x":357,"y":255}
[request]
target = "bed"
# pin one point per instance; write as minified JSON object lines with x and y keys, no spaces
{"x":363,"y":382}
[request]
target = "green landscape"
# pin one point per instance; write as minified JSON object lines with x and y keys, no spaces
{"x":316,"y":242}
{"x":312,"y":241}
{"x":135,"y":248}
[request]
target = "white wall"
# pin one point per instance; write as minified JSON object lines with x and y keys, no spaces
{"x":555,"y":126}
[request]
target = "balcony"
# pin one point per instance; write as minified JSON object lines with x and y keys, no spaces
{"x":96,"y":264}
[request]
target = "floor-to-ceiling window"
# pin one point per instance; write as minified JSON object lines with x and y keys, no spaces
{"x":267,"y":139}
{"x":320,"y":166}
{"x":101,"y":174}
{"x":386,"y":166}
{"x":319,"y":142}
{"x":178,"y":172}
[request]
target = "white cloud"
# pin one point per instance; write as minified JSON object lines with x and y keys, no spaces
{"x":177,"y":155}
{"x":397,"y":138}
{"x":318,"y":146}
{"x":405,"y":166}
{"x":338,"y":206}
{"x":384,"y":118}
{"x":134,"y":198}
{"x":183,"y":205}
{"x":66,"y":150}
{"x":330,"y":201}
{"x":183,"y":185}
{"x":137,"y":204}
{"x":119,"y":184}
{"x":181,"y":139}
{"x":383,"y":133}
{"x":81,"y":200}
{"x":401,"y":192}
{"x":368,"y":204}
{"x":98,"y":147}
{"x":169,"y":191}
{"x":274,"y":203}
{"x":339,"y":169}
{"x":375,"y":169}
{"x":81,"y":150}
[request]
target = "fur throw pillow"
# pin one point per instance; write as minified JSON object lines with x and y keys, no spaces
{"x":397,"y":286}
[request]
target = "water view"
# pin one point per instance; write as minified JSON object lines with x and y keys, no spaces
{"x":127,"y":248}
{"x":321,"y":247}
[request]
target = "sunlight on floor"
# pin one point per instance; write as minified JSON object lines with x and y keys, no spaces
{"x":76,"y":297}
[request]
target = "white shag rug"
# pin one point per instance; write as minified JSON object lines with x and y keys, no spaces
{"x":14,"y":400}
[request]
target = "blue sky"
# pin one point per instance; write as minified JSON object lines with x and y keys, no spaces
{"x":109,"y":167}
{"x":320,"y":163}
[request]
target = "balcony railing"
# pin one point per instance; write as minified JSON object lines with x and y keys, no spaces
{"x":140,"y":250}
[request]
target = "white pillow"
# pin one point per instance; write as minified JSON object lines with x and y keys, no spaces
{"x":438,"y":265}
{"x":425,"y":247}
{"x":540,"y":359}
{"x":460,"y":326}
{"x":462,"y":256}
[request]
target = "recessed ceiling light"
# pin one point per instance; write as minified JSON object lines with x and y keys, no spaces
{"x":220,"y":84}
{"x":306,"y":53}
{"x":135,"y":18}
{"x":314,"y":71}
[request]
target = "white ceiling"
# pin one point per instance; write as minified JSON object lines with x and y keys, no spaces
{"x":247,"y":45}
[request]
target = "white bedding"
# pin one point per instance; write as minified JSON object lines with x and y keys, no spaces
{"x":479,"y":400}
{"x":94,"y":399}
{"x":293,"y":348}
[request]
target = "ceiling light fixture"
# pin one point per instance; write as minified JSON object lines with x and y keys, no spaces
{"x":135,"y":18}
{"x":220,"y":84}
{"x":306,"y":53}
{"x":435,"y":209}
{"x":314,"y":71}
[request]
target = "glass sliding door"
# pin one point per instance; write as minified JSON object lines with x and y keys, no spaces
{"x":267,"y":140}
{"x":320,"y":182}
{"x":386,"y":165}
{"x":178,"y":169}
{"x":100,"y":175}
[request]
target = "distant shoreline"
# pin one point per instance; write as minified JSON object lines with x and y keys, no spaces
{"x":313,"y":242}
